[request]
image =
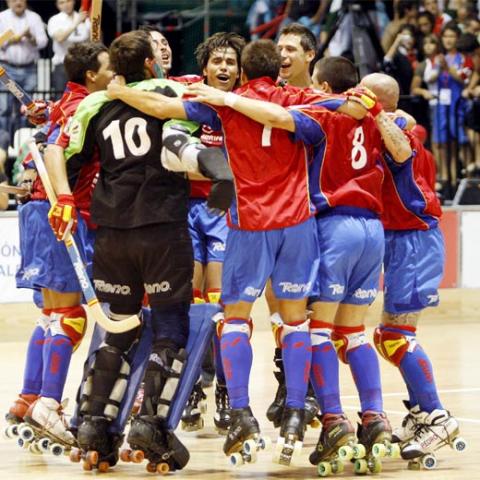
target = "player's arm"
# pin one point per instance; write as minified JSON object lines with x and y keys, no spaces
{"x":57,"y":170}
{"x":269,"y":114}
{"x":152,"y":103}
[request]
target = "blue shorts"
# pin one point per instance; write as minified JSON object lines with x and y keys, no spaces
{"x":447,"y":122}
{"x":45,"y":262}
{"x":289,"y":256}
{"x":208,"y":231}
{"x":351,"y":253}
{"x":413,"y":264}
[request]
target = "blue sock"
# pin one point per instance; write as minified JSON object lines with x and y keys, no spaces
{"x":57,"y":352}
{"x":217,"y":355}
{"x":297,"y":358}
{"x":32,"y":376}
{"x":324,"y":373}
{"x":237,"y":360}
{"x":412,"y":399}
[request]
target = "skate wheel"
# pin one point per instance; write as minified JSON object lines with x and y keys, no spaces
{"x":459,"y":444}
{"x":125,"y":455}
{"x":87,"y":466}
{"x":376,"y":466}
{"x":57,"y":450}
{"x":92,"y":457}
{"x":103,"y":467}
{"x":413,"y":465}
{"x":137,"y":456}
{"x":250,"y":446}
{"x":163,"y":468}
{"x":361,"y":466}
{"x":34,"y":448}
{"x":297,"y":452}
{"x":44,"y":443}
{"x":324,"y":469}
{"x":359,"y":451}
{"x":429,"y":462}
{"x":345,"y":453}
{"x":151,"y":467}
{"x":11,"y":431}
{"x":379,"y":450}
{"x":27,"y":433}
{"x":23,"y":443}
{"x":236,"y":459}
{"x":338,"y":466}
{"x":265,"y":443}
{"x":75,"y":455}
{"x":394,"y":450}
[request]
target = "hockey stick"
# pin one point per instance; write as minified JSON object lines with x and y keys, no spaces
{"x":13,"y":190}
{"x":16,"y":90}
{"x":72,"y":249}
{"x":96,"y":20}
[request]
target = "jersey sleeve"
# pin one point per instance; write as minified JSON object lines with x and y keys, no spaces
{"x":307,"y":127}
{"x":85,"y":154}
{"x":203,"y":114}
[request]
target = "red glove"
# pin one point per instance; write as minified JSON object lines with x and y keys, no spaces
{"x":366,"y":98}
{"x":63,"y":216}
{"x":37,"y":114}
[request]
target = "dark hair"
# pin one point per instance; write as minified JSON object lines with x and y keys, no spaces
{"x":339,"y":72}
{"x":261,"y":59}
{"x":81,"y":57}
{"x":128,"y":53}
{"x":307,"y":38}
{"x":411,"y":28}
{"x":150,"y":28}
{"x":429,"y":16}
{"x":467,"y":43}
{"x":453,"y":26}
{"x":404,"y":5}
{"x":219,"y":40}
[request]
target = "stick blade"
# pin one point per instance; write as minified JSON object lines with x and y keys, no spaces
{"x":110,"y":325}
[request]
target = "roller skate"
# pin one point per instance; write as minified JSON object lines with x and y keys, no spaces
{"x":192,"y":419}
{"x":336,"y":445}
{"x":437,"y":429}
{"x":290,"y":440}
{"x":407,"y":430}
{"x":243,"y":438}
{"x":222,"y":417}
{"x":374,"y":443}
{"x":15,"y":414}
{"x":98,"y":448}
{"x":312,"y":418}
{"x":275,"y":410}
{"x":149,"y":439}
{"x":45,"y":429}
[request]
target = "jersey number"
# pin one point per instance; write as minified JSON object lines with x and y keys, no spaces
{"x":135,"y":125}
{"x":359,"y":154}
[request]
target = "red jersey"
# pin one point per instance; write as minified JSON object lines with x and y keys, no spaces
{"x":270,"y":170}
{"x":347,"y":169}
{"x":409,"y":198}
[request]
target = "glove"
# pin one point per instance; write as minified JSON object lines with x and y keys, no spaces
{"x":63,"y":216}
{"x":22,"y":198}
{"x":37,"y":114}
{"x":366,"y":98}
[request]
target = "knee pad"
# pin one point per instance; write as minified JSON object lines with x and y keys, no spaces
{"x":392,"y":343}
{"x":281,"y":329}
{"x":70,"y":322}
{"x":227,"y":325}
{"x":320,"y":332}
{"x":172,"y":322}
{"x":105,"y":383}
{"x":213,"y":295}
{"x":346,"y":339}
{"x":198,"y":297}
{"x":43,"y":320}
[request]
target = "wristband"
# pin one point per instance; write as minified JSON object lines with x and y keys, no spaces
{"x":231,"y":99}
{"x":376,"y":109}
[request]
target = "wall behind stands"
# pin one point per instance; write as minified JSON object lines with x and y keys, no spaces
{"x":460,"y":226}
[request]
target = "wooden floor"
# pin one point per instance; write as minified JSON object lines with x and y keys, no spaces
{"x":450,"y":334}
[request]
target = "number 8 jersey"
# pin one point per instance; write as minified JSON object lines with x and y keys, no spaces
{"x":346,"y":169}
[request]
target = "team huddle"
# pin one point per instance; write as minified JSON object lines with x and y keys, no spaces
{"x":188,"y":197}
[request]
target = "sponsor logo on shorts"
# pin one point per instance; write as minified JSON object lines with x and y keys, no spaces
{"x":161,"y":287}
{"x":360,"y":293}
{"x":105,"y":287}
{"x":337,"y":289}
{"x":218,"y":246}
{"x":432,"y":299}
{"x":30,"y":273}
{"x":288,"y":287}
{"x":252,"y":292}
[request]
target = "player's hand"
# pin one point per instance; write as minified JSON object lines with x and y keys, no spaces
{"x":116,"y":87}
{"x":366,"y":98}
{"x":63,"y":216}
{"x":37,"y":114}
{"x":199,"y":92}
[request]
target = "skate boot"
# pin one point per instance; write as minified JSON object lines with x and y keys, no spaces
{"x":17,"y":411}
{"x":45,"y":428}
{"x":336,"y":444}
{"x":374,"y":442}
{"x":222,"y":418}
{"x":97,"y":446}
{"x":312,"y":418}
{"x":290,"y":440}
{"x":148,"y":438}
{"x":138,"y":401}
{"x":275,"y":410}
{"x":243,"y":438}
{"x":409,"y":424}
{"x":436,"y":430}
{"x":192,"y":419}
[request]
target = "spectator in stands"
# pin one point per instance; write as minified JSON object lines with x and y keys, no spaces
{"x":441,"y":18}
{"x":400,"y":60}
{"x":20,"y":54}
{"x":309,"y":13}
{"x":65,"y":28}
{"x":472,"y":25}
{"x":406,"y":12}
